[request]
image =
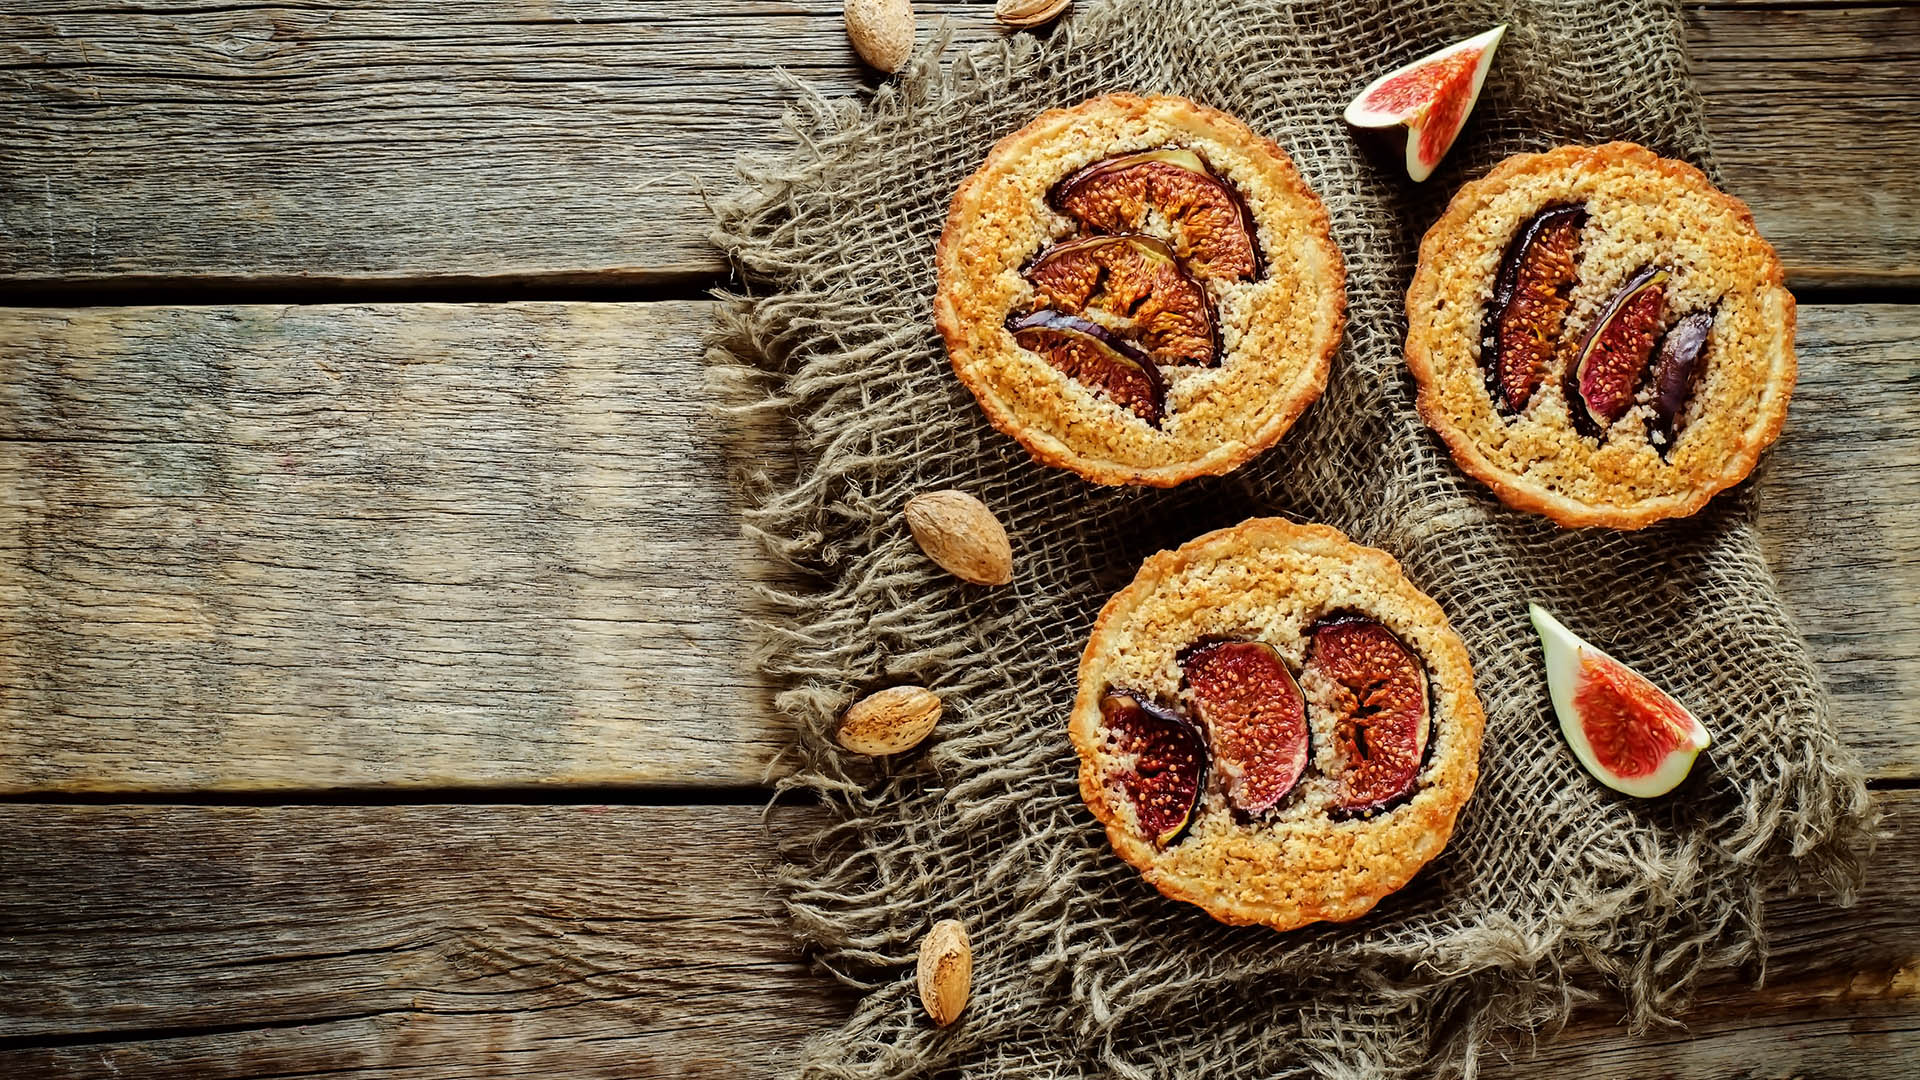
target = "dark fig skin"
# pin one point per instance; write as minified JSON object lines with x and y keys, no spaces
{"x":1521,"y":327}
{"x":1091,"y":355}
{"x":1384,"y":721}
{"x":1137,"y":278}
{"x":1606,"y":373}
{"x":1255,"y":718}
{"x":1676,"y":371}
{"x":1170,"y":763}
{"x":1217,"y":235}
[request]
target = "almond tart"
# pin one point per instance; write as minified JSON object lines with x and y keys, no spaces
{"x":1600,"y":335}
{"x":1140,"y":289}
{"x":1275,"y":725}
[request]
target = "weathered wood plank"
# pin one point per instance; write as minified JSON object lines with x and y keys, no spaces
{"x":354,"y":546}
{"x":322,"y":546}
{"x":265,"y":143}
{"x":428,"y":941}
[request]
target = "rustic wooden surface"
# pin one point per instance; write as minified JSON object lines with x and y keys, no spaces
{"x":568,"y":142}
{"x":462,"y":544}
{"x":344,"y":564}
{"x":604,"y":941}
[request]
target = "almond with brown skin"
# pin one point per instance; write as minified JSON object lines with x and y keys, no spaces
{"x":1027,"y":14}
{"x":962,"y":536}
{"x":946,"y":971}
{"x":881,"y":32}
{"x":891,"y":721}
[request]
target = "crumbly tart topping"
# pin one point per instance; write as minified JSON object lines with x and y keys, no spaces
{"x":1246,"y":236}
{"x":1300,"y":859}
{"x":1600,"y":335}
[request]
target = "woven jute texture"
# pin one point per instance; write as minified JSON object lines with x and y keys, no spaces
{"x":1553,"y":889}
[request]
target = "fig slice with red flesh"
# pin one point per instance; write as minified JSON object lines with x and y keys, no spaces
{"x":1675,"y":373}
{"x":1430,"y":97}
{"x":1093,"y":356}
{"x":1166,"y":763}
{"x":1255,"y":719}
{"x":1213,"y":229}
{"x":1136,"y":280}
{"x":1381,"y":715}
{"x":1604,"y":376}
{"x":1521,"y":328}
{"x":1631,"y":735}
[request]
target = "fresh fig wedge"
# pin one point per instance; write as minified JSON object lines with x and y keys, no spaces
{"x":1605,"y":375}
{"x":1521,"y":328}
{"x":1091,"y":355}
{"x":1675,"y":372}
{"x":1213,"y":229}
{"x":1255,"y":718}
{"x":1381,"y":712}
{"x":1430,"y":97}
{"x":1631,"y":735}
{"x":1136,"y":279}
{"x":1168,"y":763}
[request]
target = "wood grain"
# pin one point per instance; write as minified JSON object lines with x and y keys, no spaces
{"x":316,"y":547}
{"x":325,"y":546}
{"x":433,"y":941}
{"x":292,"y":146}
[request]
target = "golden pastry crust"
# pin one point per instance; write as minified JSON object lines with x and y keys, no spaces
{"x":1269,"y":579}
{"x":1642,"y":210}
{"x":1278,"y":332}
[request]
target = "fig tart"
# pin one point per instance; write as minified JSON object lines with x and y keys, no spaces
{"x":1140,"y":289}
{"x":1274,"y":724}
{"x":1600,"y":335}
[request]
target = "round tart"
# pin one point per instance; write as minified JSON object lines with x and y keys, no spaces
{"x":1140,"y":289}
{"x":1275,"y":725}
{"x":1601,"y":335}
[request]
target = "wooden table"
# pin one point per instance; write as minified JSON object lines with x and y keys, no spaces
{"x":373,"y":691}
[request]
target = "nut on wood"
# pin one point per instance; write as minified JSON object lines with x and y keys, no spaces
{"x":962,"y":536}
{"x":1027,"y":14}
{"x":889,"y":721}
{"x":946,"y":971}
{"x":881,"y":32}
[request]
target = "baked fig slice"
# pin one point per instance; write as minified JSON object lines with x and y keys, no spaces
{"x":1676,"y":371}
{"x":1430,"y":97}
{"x":1165,"y":763}
{"x":1137,"y":282}
{"x":1213,"y":230}
{"x":1378,"y":694}
{"x":1521,"y":328}
{"x":1605,"y":375}
{"x":1093,"y":356}
{"x":1631,"y":735}
{"x":1255,"y":719}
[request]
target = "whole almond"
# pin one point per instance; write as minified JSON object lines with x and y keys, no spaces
{"x":881,"y":32}
{"x":946,"y":971}
{"x":1026,"y":14}
{"x":889,"y":721}
{"x":959,"y":533}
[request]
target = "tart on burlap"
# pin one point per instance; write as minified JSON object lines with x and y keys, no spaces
{"x":1140,"y":289}
{"x":1274,"y":724}
{"x":1601,"y":335}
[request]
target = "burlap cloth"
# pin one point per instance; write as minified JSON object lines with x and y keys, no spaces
{"x":1552,"y":890}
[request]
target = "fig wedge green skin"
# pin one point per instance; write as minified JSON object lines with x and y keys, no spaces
{"x":1563,"y":651}
{"x":1255,"y":718}
{"x":1091,"y":355}
{"x":1169,"y":763}
{"x":1613,"y":357}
